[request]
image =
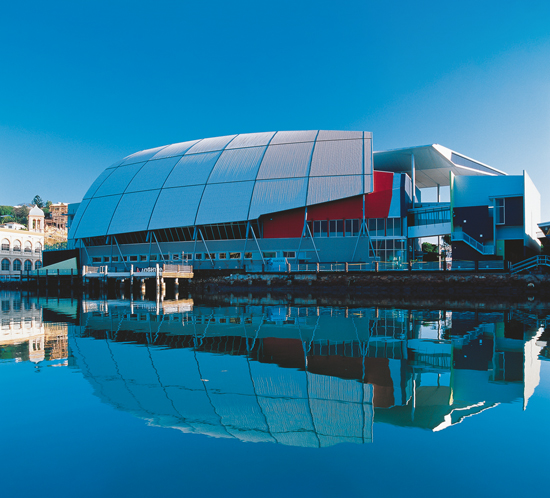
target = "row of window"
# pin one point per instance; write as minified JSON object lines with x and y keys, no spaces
{"x":16,"y":266}
{"x":377,"y":227}
{"x":16,"y":246}
{"x":199,"y":256}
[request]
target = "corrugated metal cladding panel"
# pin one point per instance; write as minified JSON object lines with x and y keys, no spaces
{"x":368,"y":184}
{"x":286,"y":161}
{"x":176,"y":207}
{"x":175,"y":149}
{"x":271,"y":196}
{"x":78,"y":216}
{"x":97,"y":217}
{"x":251,"y":140}
{"x":237,"y":165}
{"x":192,"y":170}
{"x":132,"y":213}
{"x":211,"y":144}
{"x":141,"y":156}
{"x":339,"y":135}
{"x":290,"y":137}
{"x":117,"y":182}
{"x":331,"y":188}
{"x":116,"y":164}
{"x":153,"y":174}
{"x":368,"y":156}
{"x":337,"y":157}
{"x":97,"y":183}
{"x":225,"y":202}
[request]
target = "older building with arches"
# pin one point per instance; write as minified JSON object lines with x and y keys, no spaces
{"x":21,"y":250}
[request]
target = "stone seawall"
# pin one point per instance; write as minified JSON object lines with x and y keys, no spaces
{"x":494,"y":286}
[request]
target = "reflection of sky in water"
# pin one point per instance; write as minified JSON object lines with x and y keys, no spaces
{"x":427,"y":391}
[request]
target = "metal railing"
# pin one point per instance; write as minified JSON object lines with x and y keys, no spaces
{"x":478,"y":246}
{"x":530,"y":263}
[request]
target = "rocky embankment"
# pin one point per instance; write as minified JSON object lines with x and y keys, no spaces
{"x":486,"y":287}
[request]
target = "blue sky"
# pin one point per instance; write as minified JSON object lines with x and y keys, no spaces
{"x":87,"y":83}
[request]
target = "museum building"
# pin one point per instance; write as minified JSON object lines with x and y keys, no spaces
{"x":305,"y":196}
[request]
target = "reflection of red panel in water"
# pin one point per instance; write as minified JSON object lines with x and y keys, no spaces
{"x":289,"y":353}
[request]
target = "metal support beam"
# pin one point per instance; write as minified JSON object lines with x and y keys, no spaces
{"x":207,"y":251}
{"x":120,"y":252}
{"x":158,"y":245}
{"x":313,"y":242}
{"x":413,"y":178}
{"x":258,"y":245}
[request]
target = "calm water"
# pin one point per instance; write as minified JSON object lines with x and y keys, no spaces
{"x":113,"y":398}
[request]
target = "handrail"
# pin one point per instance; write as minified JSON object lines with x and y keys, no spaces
{"x":530,"y":263}
{"x":475,"y":244}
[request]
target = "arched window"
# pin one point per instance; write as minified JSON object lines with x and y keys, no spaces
{"x":28,"y":246}
{"x":17,"y":265}
{"x":5,"y":265}
{"x":28,"y":265}
{"x":38,"y":265}
{"x":38,"y":248}
{"x":17,"y":246}
{"x":5,"y":245}
{"x":34,"y":224}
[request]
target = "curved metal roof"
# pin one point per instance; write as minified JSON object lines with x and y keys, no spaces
{"x":225,"y":179}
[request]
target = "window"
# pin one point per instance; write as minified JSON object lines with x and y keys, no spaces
{"x":96,"y":260}
{"x":5,"y":245}
{"x":209,"y":256}
{"x":17,"y":246}
{"x":5,"y":265}
{"x":247,"y":255}
{"x":153,"y":257}
{"x":133,"y":258}
{"x":269,"y":254}
{"x":28,"y":265}
{"x":105,"y":259}
{"x":38,"y":265}
{"x":166,"y":257}
{"x":377,"y":227}
{"x":289,"y":254}
{"x":175,"y":257}
{"x":114,"y":259}
{"x":352,"y":227}
{"x":499,"y":211}
{"x":393,"y":227}
{"x":234,"y":255}
{"x":28,"y":247}
{"x":336,"y":228}
{"x":17,"y":265}
{"x":125,"y":258}
{"x":222,"y":255}
{"x":198,"y":256}
{"x":143,"y":257}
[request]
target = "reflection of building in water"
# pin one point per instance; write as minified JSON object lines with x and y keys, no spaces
{"x":304,"y":376}
{"x":24,"y":336}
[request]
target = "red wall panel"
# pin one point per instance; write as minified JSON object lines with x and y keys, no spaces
{"x":285,"y":224}
{"x":377,"y":204}
{"x":349,"y":208}
{"x":289,"y":224}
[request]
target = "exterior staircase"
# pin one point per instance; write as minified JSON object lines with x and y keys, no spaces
{"x":473,"y":243}
{"x":527,"y":264}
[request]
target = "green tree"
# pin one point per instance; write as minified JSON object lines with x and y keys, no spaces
{"x":37,"y":200}
{"x":430,"y":251}
{"x":21,"y":215}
